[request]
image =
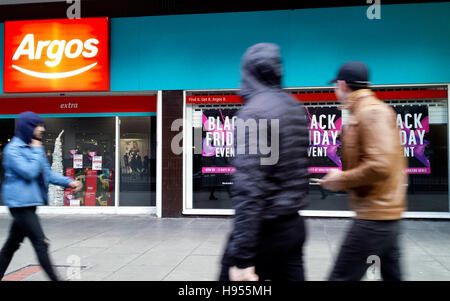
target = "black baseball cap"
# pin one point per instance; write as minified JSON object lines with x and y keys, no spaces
{"x":353,"y":72}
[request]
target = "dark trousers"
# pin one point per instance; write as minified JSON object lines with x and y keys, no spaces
{"x":280,"y":251}
{"x":26,"y":224}
{"x":365,"y":239}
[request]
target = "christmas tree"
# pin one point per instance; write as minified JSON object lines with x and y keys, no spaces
{"x":56,"y":193}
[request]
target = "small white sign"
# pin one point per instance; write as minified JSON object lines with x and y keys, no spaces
{"x":77,"y":161}
{"x":97,"y":163}
{"x":75,"y":203}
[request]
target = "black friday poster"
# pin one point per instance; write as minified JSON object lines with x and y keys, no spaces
{"x":414,"y":126}
{"x":324,"y":130}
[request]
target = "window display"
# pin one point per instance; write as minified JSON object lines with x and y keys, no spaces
{"x":84,"y":149}
{"x":137,"y":161}
{"x":324,"y":133}
{"x":212,"y":169}
{"x":424,"y":141}
{"x":422,"y":131}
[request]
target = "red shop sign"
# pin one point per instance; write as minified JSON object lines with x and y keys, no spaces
{"x":57,"y":55}
{"x":79,"y":104}
{"x":216,"y":99}
{"x":322,"y":96}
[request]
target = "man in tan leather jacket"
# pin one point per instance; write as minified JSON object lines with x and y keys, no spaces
{"x":373,"y":175}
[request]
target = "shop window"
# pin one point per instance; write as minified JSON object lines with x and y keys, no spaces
{"x":82,"y":148}
{"x":137,"y":161}
{"x":84,"y":151}
{"x":212,"y":167}
{"x":423,"y":132}
{"x":324,"y":152}
{"x":428,"y":191}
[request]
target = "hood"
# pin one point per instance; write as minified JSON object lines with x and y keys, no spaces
{"x":25,"y":125}
{"x":260,"y":70}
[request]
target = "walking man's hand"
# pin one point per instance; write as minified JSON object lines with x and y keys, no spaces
{"x":247,"y":274}
{"x":77,"y":185}
{"x":330,"y":181}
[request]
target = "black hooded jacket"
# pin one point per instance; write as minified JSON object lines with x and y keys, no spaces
{"x":265,"y":192}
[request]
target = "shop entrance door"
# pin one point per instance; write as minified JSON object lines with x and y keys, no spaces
{"x":137,"y":161}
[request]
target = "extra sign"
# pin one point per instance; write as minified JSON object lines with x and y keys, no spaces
{"x":56,"y":55}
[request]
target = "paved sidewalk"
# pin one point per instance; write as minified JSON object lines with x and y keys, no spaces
{"x":111,"y":247}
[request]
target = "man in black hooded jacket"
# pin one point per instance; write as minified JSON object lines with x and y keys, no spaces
{"x":267,"y":240}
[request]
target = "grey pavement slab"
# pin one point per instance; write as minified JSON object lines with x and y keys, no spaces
{"x":211,"y":248}
{"x":140,"y":273}
{"x":317,"y":269}
{"x":140,"y":247}
{"x":156,"y":258}
{"x":427,"y":270}
{"x":317,"y":249}
{"x":444,"y":260}
{"x":196,"y":268}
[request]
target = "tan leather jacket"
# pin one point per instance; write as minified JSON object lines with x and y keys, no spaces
{"x":373,"y":162}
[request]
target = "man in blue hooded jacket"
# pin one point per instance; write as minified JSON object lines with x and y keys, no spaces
{"x":27,"y":176}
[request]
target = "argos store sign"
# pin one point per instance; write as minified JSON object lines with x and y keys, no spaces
{"x":56,"y":55}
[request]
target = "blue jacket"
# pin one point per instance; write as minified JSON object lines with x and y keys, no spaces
{"x":27,"y":172}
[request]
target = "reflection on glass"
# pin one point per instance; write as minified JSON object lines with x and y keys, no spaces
{"x":81,"y":148}
{"x":212,"y":168}
{"x":86,"y":153}
{"x":137,"y":161}
{"x":424,"y":139}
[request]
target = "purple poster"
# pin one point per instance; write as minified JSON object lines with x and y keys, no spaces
{"x":413,"y":123}
{"x":324,"y":133}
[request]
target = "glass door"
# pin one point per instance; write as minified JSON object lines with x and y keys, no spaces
{"x":137,"y":161}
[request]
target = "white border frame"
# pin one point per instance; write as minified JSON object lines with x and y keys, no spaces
{"x":117,"y":164}
{"x":187,"y":178}
{"x":159,"y":154}
{"x":91,"y":210}
{"x":325,"y":87}
{"x":448,"y":140}
{"x":321,"y":213}
{"x":220,"y":212}
{"x":187,"y":153}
